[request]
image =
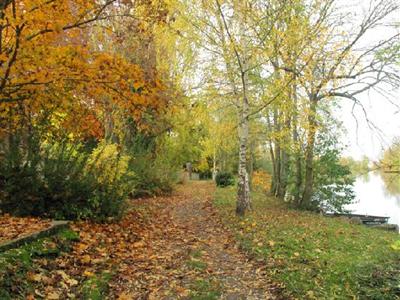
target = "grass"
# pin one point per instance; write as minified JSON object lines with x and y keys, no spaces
{"x":205,"y":290}
{"x":315,"y":257}
{"x":195,"y":262}
{"x":96,"y":287}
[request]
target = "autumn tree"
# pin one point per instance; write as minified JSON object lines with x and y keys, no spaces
{"x":340,"y":69}
{"x":229,"y":49}
{"x":316,"y":60}
{"x":70,"y":90}
{"x":48,"y":66}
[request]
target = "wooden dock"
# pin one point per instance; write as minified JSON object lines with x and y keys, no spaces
{"x":372,"y":221}
{"x":364,"y":219}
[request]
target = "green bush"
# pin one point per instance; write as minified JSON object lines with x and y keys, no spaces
{"x":224,"y":179}
{"x":153,"y":175}
{"x":63,"y":181}
{"x":155,"y":171}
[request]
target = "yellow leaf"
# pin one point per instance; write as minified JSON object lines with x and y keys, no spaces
{"x":124,"y":296}
{"x":82,"y":247}
{"x":88,"y":273}
{"x":34,"y":277}
{"x":85,"y":259}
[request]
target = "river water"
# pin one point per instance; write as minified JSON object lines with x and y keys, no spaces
{"x":377,"y":195}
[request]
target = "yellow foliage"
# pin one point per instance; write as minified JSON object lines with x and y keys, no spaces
{"x":262,"y":180}
{"x":109,"y":165}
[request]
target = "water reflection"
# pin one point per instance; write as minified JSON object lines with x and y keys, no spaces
{"x":392,"y":183}
{"x":378,"y":194}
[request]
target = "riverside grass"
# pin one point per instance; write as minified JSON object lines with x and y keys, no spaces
{"x":312,"y":256}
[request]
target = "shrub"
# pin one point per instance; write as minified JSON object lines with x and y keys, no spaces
{"x":63,"y":181}
{"x":224,"y":179}
{"x":153,"y":175}
{"x":115,"y":181}
{"x":152,"y":161}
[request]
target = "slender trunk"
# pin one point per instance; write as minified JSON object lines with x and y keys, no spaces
{"x":243,"y":194}
{"x":214,"y":171}
{"x":251,"y":165}
{"x":109,"y":128}
{"x":298,"y":168}
{"x":243,"y":202}
{"x":277,"y":151}
{"x":284,"y":173}
{"x":272,"y":154}
{"x":298,"y":165}
{"x":309,"y":161}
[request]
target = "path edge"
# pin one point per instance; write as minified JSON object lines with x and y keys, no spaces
{"x":55,"y":227}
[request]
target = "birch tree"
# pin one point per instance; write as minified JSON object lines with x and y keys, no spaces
{"x":229,"y":49}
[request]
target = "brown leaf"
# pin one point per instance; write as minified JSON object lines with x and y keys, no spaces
{"x":139,"y":244}
{"x":53,"y":296}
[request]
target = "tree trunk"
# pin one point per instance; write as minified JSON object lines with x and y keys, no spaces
{"x":309,"y":161}
{"x":298,"y":166}
{"x":243,"y":194}
{"x":214,"y":171}
{"x":278,"y":167}
{"x":283,"y":173}
{"x":251,"y":165}
{"x":272,"y":155}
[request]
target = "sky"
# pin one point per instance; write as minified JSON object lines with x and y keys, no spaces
{"x":361,"y":139}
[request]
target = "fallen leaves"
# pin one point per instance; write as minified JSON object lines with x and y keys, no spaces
{"x":14,"y":227}
{"x":53,"y":296}
{"x":34,"y":277}
{"x":85,"y":259}
{"x":88,"y":273}
{"x":158,"y":250}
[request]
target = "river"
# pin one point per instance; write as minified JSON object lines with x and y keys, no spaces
{"x":377,"y":195}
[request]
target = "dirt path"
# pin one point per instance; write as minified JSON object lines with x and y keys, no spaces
{"x":185,"y":253}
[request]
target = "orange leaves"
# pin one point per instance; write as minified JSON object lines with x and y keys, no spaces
{"x":14,"y":227}
{"x":59,"y":68}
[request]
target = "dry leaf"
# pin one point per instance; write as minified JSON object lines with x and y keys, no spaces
{"x":53,"y":296}
{"x":88,"y":273}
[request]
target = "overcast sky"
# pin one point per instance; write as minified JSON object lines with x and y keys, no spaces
{"x":362,"y":140}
